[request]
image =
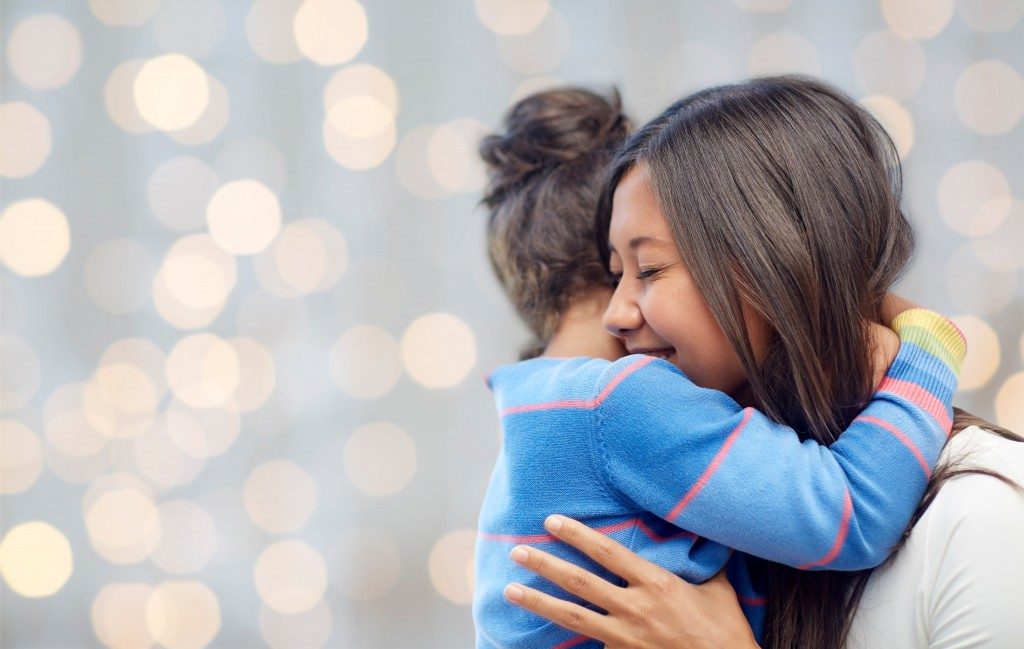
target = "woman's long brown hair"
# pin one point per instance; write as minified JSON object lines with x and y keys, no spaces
{"x":784,"y":194}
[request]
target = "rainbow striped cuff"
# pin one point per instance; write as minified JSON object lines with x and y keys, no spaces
{"x":933,"y":333}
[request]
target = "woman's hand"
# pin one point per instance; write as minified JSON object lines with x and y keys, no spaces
{"x":656,"y":609}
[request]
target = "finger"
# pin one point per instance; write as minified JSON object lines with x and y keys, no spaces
{"x":565,"y":614}
{"x":606,"y":551}
{"x":572,"y":578}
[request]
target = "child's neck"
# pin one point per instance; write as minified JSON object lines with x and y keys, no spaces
{"x":581,"y":331}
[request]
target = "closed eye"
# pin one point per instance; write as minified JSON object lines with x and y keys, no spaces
{"x":647,"y":273}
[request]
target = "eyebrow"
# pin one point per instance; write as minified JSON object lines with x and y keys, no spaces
{"x":636,"y":242}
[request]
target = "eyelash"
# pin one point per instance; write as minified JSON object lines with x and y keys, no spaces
{"x":645,"y":274}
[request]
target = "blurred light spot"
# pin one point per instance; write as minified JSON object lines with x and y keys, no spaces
{"x":783,"y":53}
{"x":438,"y":350}
{"x":126,"y":387}
{"x":330,"y":32}
{"x":452,"y":156}
{"x":413,"y":165}
{"x":123,"y":525}
{"x":540,"y":50}
{"x":974,"y":198}
{"x":365,"y":362}
{"x":24,"y":138}
{"x":887,"y":64}
{"x":1010,"y":403}
{"x":44,"y":51}
{"x":360,"y":116}
{"x":989,"y":97}
{"x":171,"y":92}
{"x":178,"y":298}
{"x":119,"y":99}
{"x":34,"y":237}
{"x":268,"y":28}
{"x":983,"y":355}
{"x":21,"y":457}
{"x":971,"y":281}
{"x":365,"y":564}
{"x":362,"y":152}
{"x":203,"y":370}
{"x":257,"y":374}
{"x":255,"y":158}
{"x":72,"y":434}
{"x":380,"y":459}
{"x":377,"y":285}
{"x":763,"y":5}
{"x":279,"y":496}
{"x":19,"y":373}
{"x":535,"y":84}
{"x":36,"y":559}
{"x":895,"y":119}
{"x":361,"y":80}
{"x":124,"y":13}
{"x":290,"y":577}
{"x":307,"y":630}
{"x":119,"y":616}
{"x":691,"y":66}
{"x":79,"y":469}
{"x":512,"y":17}
{"x":244,"y":216}
{"x":183,"y":615}
{"x":202,"y":432}
{"x":310,"y":255}
{"x":1010,"y":230}
{"x":189,"y":538}
{"x":107,"y":418}
{"x":159,"y":458}
{"x":917,"y":19}
{"x":211,"y":121}
{"x":990,"y":15}
{"x":118,"y":274}
{"x":179,"y":191}
{"x":192,"y":27}
{"x":451,"y":566}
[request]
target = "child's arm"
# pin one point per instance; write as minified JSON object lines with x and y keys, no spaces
{"x":696,"y":458}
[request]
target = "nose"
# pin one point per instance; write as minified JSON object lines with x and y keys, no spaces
{"x":623,"y":314}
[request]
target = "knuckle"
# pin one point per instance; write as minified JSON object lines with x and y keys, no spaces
{"x":578,"y":581}
{"x":664,"y":582}
{"x":607,"y":548}
{"x":572,"y":618}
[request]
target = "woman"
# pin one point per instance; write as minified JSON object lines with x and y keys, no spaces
{"x":784,"y":194}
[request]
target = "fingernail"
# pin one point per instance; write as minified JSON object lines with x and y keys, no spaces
{"x":513,"y":592}
{"x":520,"y":554}
{"x":553,"y":523}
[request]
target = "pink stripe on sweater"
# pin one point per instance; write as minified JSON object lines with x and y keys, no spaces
{"x":752,"y":601}
{"x":581,"y":404}
{"x":898,"y":434}
{"x":919,"y":396}
{"x":571,"y":642}
{"x":607,"y":529}
{"x":712,"y":467}
{"x":837,"y":546}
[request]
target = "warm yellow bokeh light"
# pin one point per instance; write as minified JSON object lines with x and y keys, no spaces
{"x":119,"y":616}
{"x":541,"y":49}
{"x":211,"y":121}
{"x":127,"y":387}
{"x":413,"y":165}
{"x":171,"y":92}
{"x":268,"y":28}
{"x":361,"y":80}
{"x":119,"y":99}
{"x":330,"y":32}
{"x":380,"y":459}
{"x":279,"y":496}
{"x":974,"y":197}
{"x":895,"y":119}
{"x":183,"y":615}
{"x":309,"y":255}
{"x":983,"y":354}
{"x":1010,"y":403}
{"x":365,"y":564}
{"x":123,"y":525}
{"x":989,"y":97}
{"x":34,"y":237}
{"x":203,"y":370}
{"x":365,"y":362}
{"x":189,"y":538}
{"x":25,"y":139}
{"x":243,"y":216}
{"x":257,"y":374}
{"x":886,"y":63}
{"x":512,"y":17}
{"x":438,"y":350}
{"x":307,"y":630}
{"x":452,"y":156}
{"x":44,"y":51}
{"x":124,"y":13}
{"x":451,"y":566}
{"x":917,"y":19}
{"x":783,"y":53}
{"x":162,"y":461}
{"x":36,"y":559}
{"x":174,"y":291}
{"x":290,"y":577}
{"x":21,"y":457}
{"x":359,"y":132}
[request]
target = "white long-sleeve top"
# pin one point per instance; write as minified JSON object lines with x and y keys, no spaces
{"x":958,"y":583}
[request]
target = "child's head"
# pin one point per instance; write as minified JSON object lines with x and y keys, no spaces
{"x":782,"y":197}
{"x":544,"y":173}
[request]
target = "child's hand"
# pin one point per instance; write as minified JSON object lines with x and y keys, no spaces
{"x":892,"y":306}
{"x":884,"y":344}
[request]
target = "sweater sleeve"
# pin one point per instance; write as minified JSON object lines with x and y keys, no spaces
{"x":698,"y":460}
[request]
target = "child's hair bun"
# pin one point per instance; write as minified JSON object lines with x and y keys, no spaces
{"x":548,"y":129}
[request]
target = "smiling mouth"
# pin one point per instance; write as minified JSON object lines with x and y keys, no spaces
{"x":663,"y":354}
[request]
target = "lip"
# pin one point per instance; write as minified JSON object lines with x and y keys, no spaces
{"x":663,"y":353}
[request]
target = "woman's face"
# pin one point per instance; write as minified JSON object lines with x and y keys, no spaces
{"x":657,"y":308}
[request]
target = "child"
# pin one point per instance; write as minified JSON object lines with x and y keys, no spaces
{"x":678,"y":473}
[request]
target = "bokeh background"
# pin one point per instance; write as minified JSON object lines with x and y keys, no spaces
{"x":246,"y":307}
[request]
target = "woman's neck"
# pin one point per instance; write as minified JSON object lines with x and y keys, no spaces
{"x":581,"y":332}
